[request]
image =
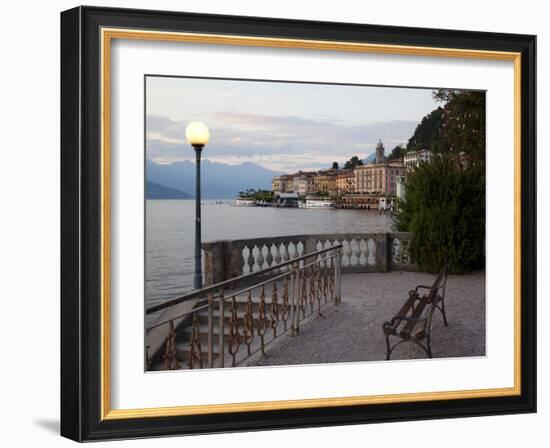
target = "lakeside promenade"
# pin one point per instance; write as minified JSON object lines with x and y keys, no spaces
{"x":366,"y":276}
{"x":352,"y":331}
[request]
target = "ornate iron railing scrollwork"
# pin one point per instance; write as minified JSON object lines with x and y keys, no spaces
{"x":298,"y":289}
{"x":234,"y":337}
{"x":285,"y":306}
{"x":274,"y":310}
{"x":248,"y":323}
{"x":170,"y":358}
{"x":262,"y":319}
{"x":195,"y":348}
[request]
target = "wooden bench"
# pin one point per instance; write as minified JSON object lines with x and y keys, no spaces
{"x":413,"y":322}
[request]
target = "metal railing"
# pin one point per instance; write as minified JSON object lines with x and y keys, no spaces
{"x":229,"y":321}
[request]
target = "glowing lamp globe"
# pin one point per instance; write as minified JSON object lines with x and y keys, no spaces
{"x":197,"y":133}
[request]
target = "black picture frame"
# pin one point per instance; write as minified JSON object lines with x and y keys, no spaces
{"x":81,"y":380}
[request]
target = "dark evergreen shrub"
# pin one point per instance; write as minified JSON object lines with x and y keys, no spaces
{"x":444,"y":208}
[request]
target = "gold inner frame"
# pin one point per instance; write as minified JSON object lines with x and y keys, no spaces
{"x":107,"y":35}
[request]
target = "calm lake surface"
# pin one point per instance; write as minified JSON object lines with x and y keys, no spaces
{"x":170,"y":232}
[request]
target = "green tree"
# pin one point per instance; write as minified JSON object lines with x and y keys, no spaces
{"x":444,"y":208}
{"x":259,"y":195}
{"x":397,"y":153}
{"x":353,"y":162}
{"x":463,"y":121}
{"x":428,"y":134}
{"x":334,"y":165}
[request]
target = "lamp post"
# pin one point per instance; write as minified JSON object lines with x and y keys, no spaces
{"x":197,"y":136}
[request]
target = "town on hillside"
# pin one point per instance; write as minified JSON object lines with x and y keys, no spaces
{"x":375,"y":185}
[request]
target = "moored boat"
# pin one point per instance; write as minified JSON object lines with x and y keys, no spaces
{"x":244,"y":202}
{"x":317,"y":204}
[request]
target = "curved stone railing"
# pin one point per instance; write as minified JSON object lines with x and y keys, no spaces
{"x":361,"y":252}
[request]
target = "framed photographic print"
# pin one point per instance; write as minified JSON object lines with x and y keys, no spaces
{"x":273,"y":223}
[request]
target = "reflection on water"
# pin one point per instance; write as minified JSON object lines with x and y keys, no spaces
{"x":170,"y":232}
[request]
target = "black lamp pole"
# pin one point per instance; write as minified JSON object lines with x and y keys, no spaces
{"x":197,"y":278}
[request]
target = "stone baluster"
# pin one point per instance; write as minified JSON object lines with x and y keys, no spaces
{"x":292,"y":251}
{"x":396,"y":251}
{"x":363,"y":248}
{"x":371,"y":251}
{"x":300,"y":248}
{"x":277,"y":253}
{"x":346,"y":250}
{"x":269,"y":256}
{"x":357,"y":252}
{"x":408,"y":256}
{"x":260,"y":258}
{"x":286,"y":255}
{"x":250,"y":259}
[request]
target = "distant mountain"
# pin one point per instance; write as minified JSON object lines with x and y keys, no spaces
{"x":371,"y":158}
{"x":157,"y":191}
{"x":219,"y":181}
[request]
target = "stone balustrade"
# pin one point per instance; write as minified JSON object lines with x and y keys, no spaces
{"x":362,"y":252}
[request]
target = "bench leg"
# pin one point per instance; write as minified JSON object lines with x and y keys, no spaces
{"x":388,"y":350}
{"x":429,"y":342}
{"x":443,"y":312}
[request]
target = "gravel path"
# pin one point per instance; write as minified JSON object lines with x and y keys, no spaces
{"x":352,"y":331}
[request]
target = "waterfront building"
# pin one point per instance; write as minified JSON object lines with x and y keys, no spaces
{"x":359,"y":201}
{"x":378,"y":178}
{"x":296,"y":183}
{"x":320,"y":183}
{"x":306,"y":184}
{"x":331,"y":183}
{"x":276,"y":184}
{"x":325,"y":182}
{"x":414,"y":158}
{"x":283,"y":184}
{"x":286,"y":199}
{"x":345,"y":182}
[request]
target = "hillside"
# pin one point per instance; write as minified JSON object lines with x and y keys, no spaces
{"x":156,"y":191}
{"x":219,"y":181}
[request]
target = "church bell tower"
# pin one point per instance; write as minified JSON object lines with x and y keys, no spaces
{"x":380,"y":152}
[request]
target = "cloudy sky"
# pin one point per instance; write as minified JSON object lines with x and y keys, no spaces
{"x":280,"y":126}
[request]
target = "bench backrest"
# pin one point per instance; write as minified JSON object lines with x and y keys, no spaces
{"x":439,"y":283}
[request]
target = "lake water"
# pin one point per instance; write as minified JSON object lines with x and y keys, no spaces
{"x":170,"y":234}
